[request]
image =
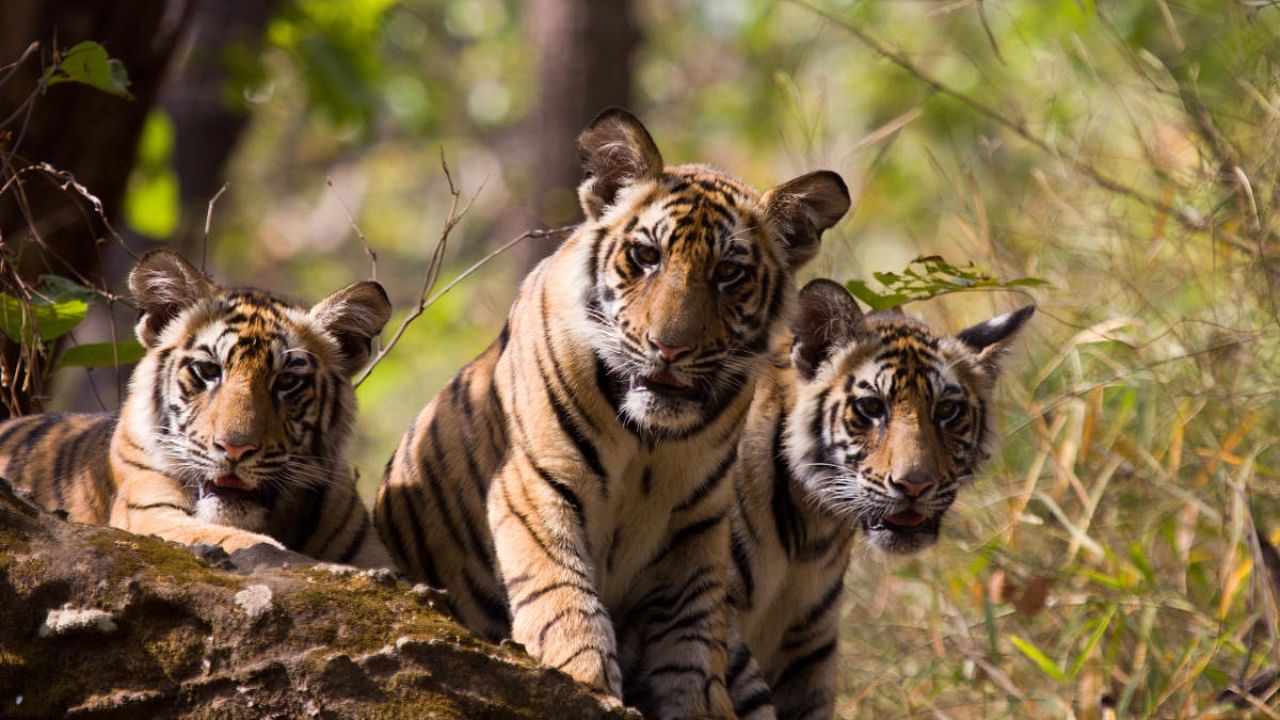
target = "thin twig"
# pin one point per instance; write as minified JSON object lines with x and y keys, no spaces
{"x":433,"y":265}
{"x":368,"y":249}
{"x":208,"y":223}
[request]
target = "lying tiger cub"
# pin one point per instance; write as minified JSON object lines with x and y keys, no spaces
{"x":873,"y":425}
{"x":235,"y":425}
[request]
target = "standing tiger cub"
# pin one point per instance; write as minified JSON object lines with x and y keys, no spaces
{"x":873,"y":424}
{"x":235,"y":425}
{"x":568,"y":487}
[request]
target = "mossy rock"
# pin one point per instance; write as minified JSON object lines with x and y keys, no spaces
{"x":99,"y":623}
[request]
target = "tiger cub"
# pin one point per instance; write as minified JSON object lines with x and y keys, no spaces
{"x":235,"y":425}
{"x":874,"y":424}
{"x":568,"y":487}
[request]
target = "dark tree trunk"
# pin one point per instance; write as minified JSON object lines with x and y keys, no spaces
{"x":44,"y":227}
{"x":585,"y":51}
{"x":208,"y":124}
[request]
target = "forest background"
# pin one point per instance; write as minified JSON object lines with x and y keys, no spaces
{"x":1124,"y":153}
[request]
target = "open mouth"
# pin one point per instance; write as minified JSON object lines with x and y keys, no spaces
{"x":229,"y":487}
{"x":905,"y":522}
{"x":662,"y":382}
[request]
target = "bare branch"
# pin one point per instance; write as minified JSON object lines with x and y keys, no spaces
{"x":208,"y":223}
{"x":434,"y":265}
{"x":368,"y":249}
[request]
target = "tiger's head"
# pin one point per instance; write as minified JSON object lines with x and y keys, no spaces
{"x":690,"y":271}
{"x":244,"y":397}
{"x":890,"y":416}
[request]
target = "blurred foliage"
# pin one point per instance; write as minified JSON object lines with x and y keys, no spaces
{"x":1126,"y":153}
{"x":151,"y":203}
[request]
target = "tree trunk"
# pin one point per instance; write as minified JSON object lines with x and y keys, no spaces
{"x":45,"y":226}
{"x":585,"y":50}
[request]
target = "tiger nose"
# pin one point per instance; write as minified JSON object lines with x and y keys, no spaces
{"x":668,"y":352}
{"x":234,"y":451}
{"x":913,"y":484}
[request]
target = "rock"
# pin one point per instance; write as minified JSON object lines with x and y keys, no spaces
{"x":255,"y":600}
{"x":98,"y":623}
{"x":69,"y":620}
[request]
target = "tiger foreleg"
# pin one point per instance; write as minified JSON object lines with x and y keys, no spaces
{"x":556,"y":612}
{"x":169,"y":520}
{"x":752,"y":699}
{"x":681,"y":627}
{"x":805,"y":687}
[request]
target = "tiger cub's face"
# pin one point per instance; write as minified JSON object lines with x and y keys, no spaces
{"x":890,"y":416}
{"x":690,"y":271}
{"x":248,"y":395}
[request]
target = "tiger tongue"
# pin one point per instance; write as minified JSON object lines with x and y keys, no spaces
{"x":231,"y":482}
{"x":906,"y":518}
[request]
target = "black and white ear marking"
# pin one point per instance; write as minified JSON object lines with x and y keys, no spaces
{"x":163,"y":284}
{"x":991,"y":339}
{"x":829,"y":318}
{"x":354,"y":316}
{"x":802,"y":208}
{"x":616,"y":151}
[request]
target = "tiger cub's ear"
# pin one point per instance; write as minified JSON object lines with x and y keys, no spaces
{"x":616,"y":151}
{"x":829,"y":319}
{"x":163,"y":284}
{"x":991,"y":339}
{"x":801,"y":209}
{"x":354,"y":316}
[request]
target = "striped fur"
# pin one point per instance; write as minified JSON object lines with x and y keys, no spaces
{"x":874,"y":423}
{"x":234,"y":429}
{"x":569,"y":487}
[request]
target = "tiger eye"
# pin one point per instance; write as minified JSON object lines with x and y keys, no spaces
{"x":947,"y":410}
{"x":645,"y":255}
{"x":206,"y":371}
{"x":871,"y":408}
{"x":728,"y":272}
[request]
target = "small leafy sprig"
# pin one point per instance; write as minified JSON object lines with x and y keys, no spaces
{"x":930,"y":276}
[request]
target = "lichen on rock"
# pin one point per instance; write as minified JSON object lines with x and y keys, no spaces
{"x":99,"y":623}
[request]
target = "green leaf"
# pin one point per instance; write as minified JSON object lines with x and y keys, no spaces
{"x":927,"y":277}
{"x":1096,"y":636}
{"x":89,"y":64}
{"x":50,"y":320}
{"x":106,"y":354}
{"x":1035,"y":655}
{"x":59,"y":289}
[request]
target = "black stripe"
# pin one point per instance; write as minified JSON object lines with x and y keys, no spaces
{"x":802,"y":664}
{"x":710,"y":483}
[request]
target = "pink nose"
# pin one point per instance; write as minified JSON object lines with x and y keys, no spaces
{"x":913,"y":484}
{"x":236,"y":452}
{"x":668,"y":352}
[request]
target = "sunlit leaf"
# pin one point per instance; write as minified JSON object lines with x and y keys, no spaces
{"x":93,"y":355}
{"x":18,"y":320}
{"x":927,"y":277}
{"x":1035,"y":655}
{"x":88,"y":63}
